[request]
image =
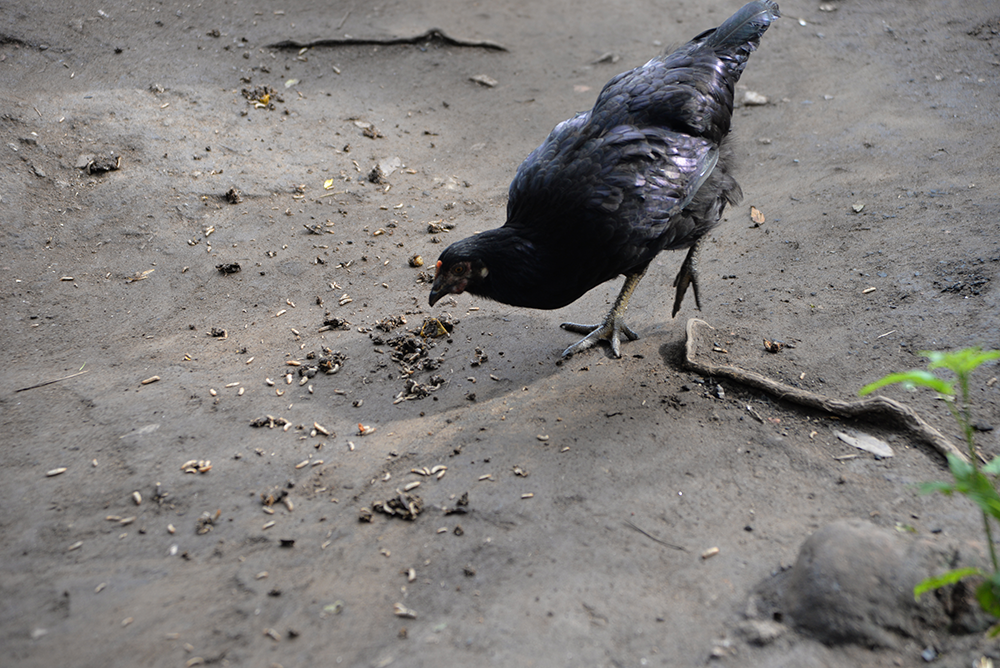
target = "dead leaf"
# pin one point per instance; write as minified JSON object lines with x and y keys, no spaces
{"x":864,"y":441}
{"x":484,"y":80}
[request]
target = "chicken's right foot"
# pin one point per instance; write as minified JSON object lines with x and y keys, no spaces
{"x":611,"y":330}
{"x":613,"y":327}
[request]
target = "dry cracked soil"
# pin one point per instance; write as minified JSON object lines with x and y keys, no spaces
{"x":566,"y":511}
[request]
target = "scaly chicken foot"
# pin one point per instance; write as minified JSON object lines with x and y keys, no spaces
{"x":613,"y":327}
{"x":688,"y":275}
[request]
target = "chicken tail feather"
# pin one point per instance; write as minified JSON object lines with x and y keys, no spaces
{"x":746,"y":25}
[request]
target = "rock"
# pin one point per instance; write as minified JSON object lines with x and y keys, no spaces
{"x":754,"y":99}
{"x":389,"y":165}
{"x":853,"y":583}
{"x":761,"y":631}
{"x":381,"y":171}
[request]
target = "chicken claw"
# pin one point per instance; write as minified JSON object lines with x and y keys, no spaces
{"x":688,"y":275}
{"x":613,"y":326}
{"x":610,"y":330}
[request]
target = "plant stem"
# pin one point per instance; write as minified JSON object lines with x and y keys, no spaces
{"x":965,"y":421}
{"x":989,"y":540}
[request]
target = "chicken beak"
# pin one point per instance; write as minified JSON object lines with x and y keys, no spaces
{"x":446,"y":284}
{"x":441,"y":286}
{"x":436,"y":293}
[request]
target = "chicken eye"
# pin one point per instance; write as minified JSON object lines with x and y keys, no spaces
{"x":458,"y":269}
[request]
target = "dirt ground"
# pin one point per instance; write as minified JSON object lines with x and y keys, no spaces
{"x":527,"y":551}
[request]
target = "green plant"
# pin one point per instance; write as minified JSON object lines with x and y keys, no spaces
{"x":970,"y":479}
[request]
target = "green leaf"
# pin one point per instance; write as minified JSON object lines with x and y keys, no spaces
{"x":993,"y":631}
{"x":980,"y":357}
{"x":936,"y":486}
{"x":988,"y":595}
{"x":912,"y":378}
{"x":982,"y":492}
{"x":962,"y":362}
{"x":993,"y":468}
{"x":970,"y":483}
{"x":943,"y":580}
{"x":960,"y":468}
{"x":937,"y":357}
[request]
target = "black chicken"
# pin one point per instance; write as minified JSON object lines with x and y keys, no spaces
{"x":647,"y":169}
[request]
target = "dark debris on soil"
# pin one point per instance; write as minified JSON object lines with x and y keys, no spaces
{"x":331,"y":322}
{"x":269,"y":421}
{"x":403,"y":506}
{"x":103,"y":163}
{"x":262,"y":97}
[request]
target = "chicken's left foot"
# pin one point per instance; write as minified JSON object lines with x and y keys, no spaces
{"x":688,"y":275}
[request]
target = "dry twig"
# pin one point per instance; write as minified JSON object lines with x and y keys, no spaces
{"x":869,"y":407}
{"x":49,"y":382}
{"x":433,"y":34}
{"x":653,"y":538}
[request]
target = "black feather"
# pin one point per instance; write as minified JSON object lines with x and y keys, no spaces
{"x":647,"y":169}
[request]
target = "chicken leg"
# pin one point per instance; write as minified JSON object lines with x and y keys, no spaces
{"x":688,"y":275}
{"x":614,"y":324}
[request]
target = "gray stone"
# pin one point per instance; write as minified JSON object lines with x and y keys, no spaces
{"x":761,"y":631}
{"x":853,"y":583}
